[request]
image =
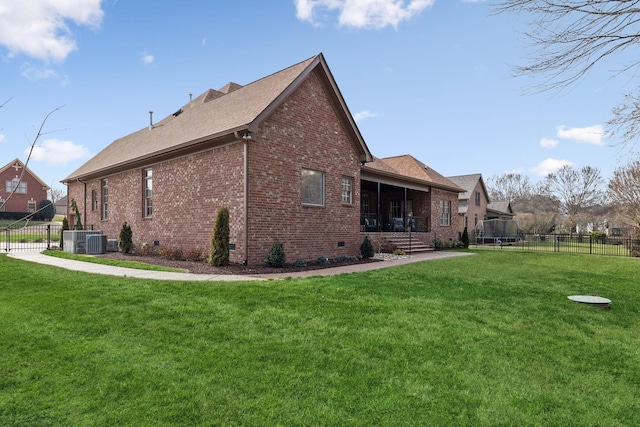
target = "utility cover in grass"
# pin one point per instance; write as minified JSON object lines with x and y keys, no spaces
{"x":591,"y":300}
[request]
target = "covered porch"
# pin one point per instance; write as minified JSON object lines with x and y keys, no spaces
{"x":391,"y":208}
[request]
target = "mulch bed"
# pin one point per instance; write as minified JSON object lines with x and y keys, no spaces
{"x":202,"y":267}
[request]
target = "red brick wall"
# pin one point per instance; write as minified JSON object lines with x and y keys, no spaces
{"x":305,"y":132}
{"x":449,"y":232}
{"x":19,"y":202}
{"x":187,"y":192}
{"x":473,"y":210}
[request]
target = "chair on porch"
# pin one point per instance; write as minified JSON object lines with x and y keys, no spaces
{"x":397,"y":224}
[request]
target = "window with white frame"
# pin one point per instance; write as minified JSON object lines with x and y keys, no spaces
{"x":2,"y":205}
{"x":477,"y":198}
{"x":17,"y":185}
{"x":147,"y":207}
{"x":445,"y":212}
{"x":347,"y":190}
{"x":312,"y":188}
{"x":94,"y":200}
{"x":31,"y":206}
{"x":105,"y":198}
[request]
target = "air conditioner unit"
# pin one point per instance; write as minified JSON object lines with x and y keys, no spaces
{"x":96,"y":244}
{"x":75,"y":241}
{"x":112,"y":245}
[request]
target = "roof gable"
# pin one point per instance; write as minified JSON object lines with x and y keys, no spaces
{"x":469,"y":183}
{"x":216,"y":117}
{"x":17,"y":164}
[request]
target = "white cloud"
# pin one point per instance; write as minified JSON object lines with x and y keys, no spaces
{"x":365,"y":114}
{"x":363,"y":13}
{"x":35,"y":73}
{"x":39,"y":28}
{"x":548,"y":143}
{"x":550,"y":165}
{"x":56,"y":152}
{"x":589,"y":135}
{"x":147,"y":58}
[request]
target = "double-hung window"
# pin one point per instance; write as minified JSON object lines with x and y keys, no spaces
{"x":94,"y":200}
{"x":445,"y":212}
{"x":312,"y":187}
{"x":477,"y":198}
{"x":147,"y":207}
{"x":17,"y":185}
{"x":105,"y":198}
{"x":347,"y":190}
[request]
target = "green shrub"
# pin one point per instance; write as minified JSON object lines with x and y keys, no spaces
{"x":276,"y":256}
{"x":366,"y":248}
{"x":46,"y":210}
{"x":399,"y":252}
{"x":299,"y":263}
{"x":125,"y":239}
{"x":465,"y":238}
{"x":219,"y":251}
{"x":323,"y":260}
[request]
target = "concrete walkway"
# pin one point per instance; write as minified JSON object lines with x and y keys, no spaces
{"x":89,"y":267}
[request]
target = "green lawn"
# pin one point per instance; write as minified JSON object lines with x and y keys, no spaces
{"x":484,"y":340}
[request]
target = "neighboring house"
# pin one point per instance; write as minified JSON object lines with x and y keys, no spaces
{"x":500,"y":209}
{"x":28,"y":189}
{"x":473,"y":202}
{"x":61,"y":206}
{"x":283,"y":154}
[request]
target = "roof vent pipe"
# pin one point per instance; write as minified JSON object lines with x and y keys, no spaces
{"x":150,"y":119}
{"x":190,"y":97}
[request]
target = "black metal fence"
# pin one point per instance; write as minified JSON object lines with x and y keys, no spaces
{"x":30,"y":237}
{"x":579,"y":244}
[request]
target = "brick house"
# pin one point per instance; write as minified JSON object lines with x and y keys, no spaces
{"x":283,"y":154}
{"x":474,"y":204}
{"x":28,"y":190}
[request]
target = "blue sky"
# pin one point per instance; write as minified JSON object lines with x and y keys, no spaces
{"x":422,"y":77}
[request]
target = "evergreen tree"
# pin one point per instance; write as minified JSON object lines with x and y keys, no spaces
{"x":126,"y":238}
{"x":366,"y":248}
{"x":465,"y":238}
{"x":219,"y":251}
{"x":46,"y":210}
{"x":65,"y":226}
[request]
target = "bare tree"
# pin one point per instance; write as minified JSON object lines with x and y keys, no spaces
{"x":509,"y":186}
{"x":578,"y":192}
{"x":570,"y":38}
{"x":55,"y":194}
{"x":40,"y":132}
{"x":624,"y":191}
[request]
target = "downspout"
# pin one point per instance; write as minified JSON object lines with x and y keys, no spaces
{"x":245,"y":215}
{"x":245,"y":137}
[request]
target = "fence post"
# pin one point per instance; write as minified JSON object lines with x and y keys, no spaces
{"x":7,"y":239}
{"x":590,"y":244}
{"x":48,"y":236}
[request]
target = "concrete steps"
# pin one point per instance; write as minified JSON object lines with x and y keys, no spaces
{"x":408,"y":245}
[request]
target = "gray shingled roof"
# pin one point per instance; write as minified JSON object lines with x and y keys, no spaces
{"x":214,"y":114}
{"x":468,"y":183}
